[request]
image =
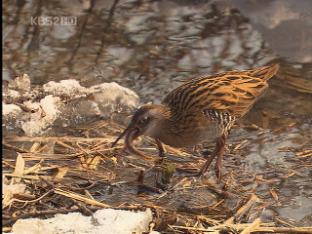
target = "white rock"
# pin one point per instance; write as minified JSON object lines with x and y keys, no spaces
{"x":68,"y":102}
{"x":44,"y":117}
{"x":12,"y":94}
{"x":103,"y":221}
{"x":49,"y":105}
{"x":10,"y":109}
{"x":35,"y":106}
{"x":84,"y":108}
{"x":21,"y":83}
{"x":65,"y":88}
{"x":103,"y":100}
{"x":113,"y":94}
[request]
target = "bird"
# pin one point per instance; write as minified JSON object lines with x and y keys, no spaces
{"x":202,"y":109}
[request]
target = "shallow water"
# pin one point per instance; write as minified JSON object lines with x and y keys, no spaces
{"x":149,"y":46}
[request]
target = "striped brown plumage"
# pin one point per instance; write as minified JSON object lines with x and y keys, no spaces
{"x":201,"y":109}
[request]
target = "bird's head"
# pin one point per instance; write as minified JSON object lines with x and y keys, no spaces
{"x":146,"y":121}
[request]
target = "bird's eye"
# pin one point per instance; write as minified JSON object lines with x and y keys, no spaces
{"x":143,"y":120}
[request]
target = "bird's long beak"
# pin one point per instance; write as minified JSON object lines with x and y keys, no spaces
{"x":131,"y":133}
{"x":126,"y":131}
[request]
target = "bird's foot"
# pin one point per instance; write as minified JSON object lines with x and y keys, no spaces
{"x":192,"y":173}
{"x":205,"y":167}
{"x":162,"y":154}
{"x":203,"y":171}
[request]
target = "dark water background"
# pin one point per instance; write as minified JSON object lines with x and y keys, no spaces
{"x":148,"y":46}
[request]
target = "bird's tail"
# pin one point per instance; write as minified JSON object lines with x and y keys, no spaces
{"x":266,"y":72}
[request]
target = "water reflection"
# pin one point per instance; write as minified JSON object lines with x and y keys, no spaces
{"x":285,"y":25}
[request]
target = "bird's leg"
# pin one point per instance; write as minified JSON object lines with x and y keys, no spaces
{"x":157,"y":162}
{"x":161,"y":149}
{"x":161,"y":153}
{"x":219,"y":150}
{"x":206,"y":165}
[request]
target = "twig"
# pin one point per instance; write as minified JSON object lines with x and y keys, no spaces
{"x":48,"y":139}
{"x":81,"y":198}
{"x":241,"y":227}
{"x":243,"y":210}
{"x":255,"y":224}
{"x":31,"y":201}
{"x":12,"y":147}
{"x":172,"y":188}
{"x":292,"y":230}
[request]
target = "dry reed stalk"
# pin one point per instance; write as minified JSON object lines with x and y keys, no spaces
{"x":244,"y":209}
{"x":254,"y":225}
{"x":241,"y":227}
{"x":81,"y":198}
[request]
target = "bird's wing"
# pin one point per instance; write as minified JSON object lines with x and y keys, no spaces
{"x":234,"y":92}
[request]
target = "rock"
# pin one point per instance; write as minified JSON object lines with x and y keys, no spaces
{"x":65,"y":88}
{"x":10,"y":109}
{"x":65,"y":103}
{"x":20,"y":83}
{"x":50,"y":106}
{"x":43,"y":118}
{"x":113,"y":96}
{"x":12,"y":95}
{"x":102,"y":221}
